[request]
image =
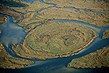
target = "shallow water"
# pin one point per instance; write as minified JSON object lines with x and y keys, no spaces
{"x":42,"y":66}
{"x":57,"y":65}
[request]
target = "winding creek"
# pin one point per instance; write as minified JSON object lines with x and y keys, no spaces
{"x":13,"y":34}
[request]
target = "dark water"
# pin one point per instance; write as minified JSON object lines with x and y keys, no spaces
{"x":29,"y":1}
{"x":11,"y":3}
{"x":60,"y":70}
